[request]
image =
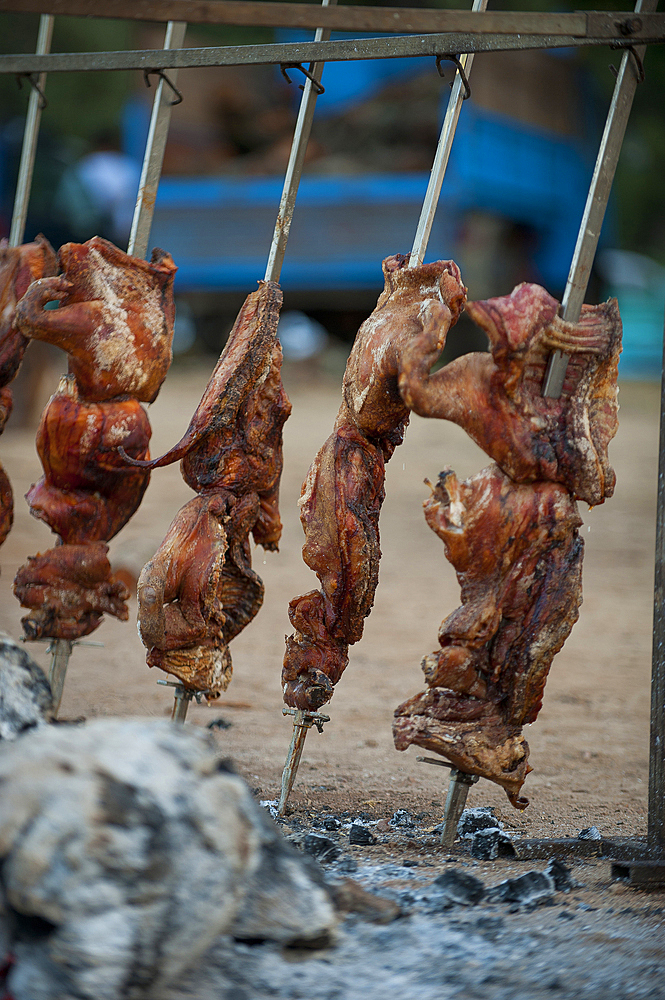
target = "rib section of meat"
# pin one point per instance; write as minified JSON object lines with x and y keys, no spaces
{"x":19,"y":267}
{"x":497,"y":397}
{"x":518,"y":555}
{"x":342,"y":495}
{"x":199,"y":590}
{"x":87,"y":493}
{"x":115,"y":318}
{"x":68,"y":589}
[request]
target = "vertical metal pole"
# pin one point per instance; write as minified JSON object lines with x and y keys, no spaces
{"x":60,"y":650}
{"x":656,"y":821}
{"x":181,"y":702}
{"x":441,"y":157}
{"x":596,"y":203}
{"x":29,"y":149}
{"x":154,"y":150}
{"x":295,"y":164}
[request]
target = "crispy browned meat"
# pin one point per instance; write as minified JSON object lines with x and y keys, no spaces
{"x":87,"y":493}
{"x":19,"y":267}
{"x":518,"y":557}
{"x":69,"y":588}
{"x":199,"y":590}
{"x":342,"y":495}
{"x":115,"y":319}
{"x":497,"y":397}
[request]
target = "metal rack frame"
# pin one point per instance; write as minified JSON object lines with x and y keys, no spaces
{"x":427,"y":32}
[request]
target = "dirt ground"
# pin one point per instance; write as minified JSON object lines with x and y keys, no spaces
{"x":589,"y":746}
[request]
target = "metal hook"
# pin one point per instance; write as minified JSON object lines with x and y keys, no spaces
{"x":460,"y":70}
{"x":639,"y":65}
{"x":147,"y":73}
{"x":316,"y":85}
{"x":30,"y":77}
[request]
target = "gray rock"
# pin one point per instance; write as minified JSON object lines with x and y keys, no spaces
{"x":320,"y":847}
{"x":128,"y":850}
{"x":25,"y":693}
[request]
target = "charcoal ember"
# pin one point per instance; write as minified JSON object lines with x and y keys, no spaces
{"x":320,"y":847}
{"x":530,"y":889}
{"x":330,"y":823}
{"x":402,"y":818}
{"x":457,"y":886}
{"x":360,"y":835}
{"x":219,"y":723}
{"x":491,"y":843}
{"x":560,"y":875}
{"x":481,"y":818}
{"x":589,"y":833}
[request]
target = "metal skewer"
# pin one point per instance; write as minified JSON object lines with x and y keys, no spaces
{"x":33,"y":118}
{"x":460,"y":782}
{"x":302,"y":722}
{"x":442,"y":155}
{"x":155,"y":145}
{"x":296,"y":160}
{"x":596,"y":203}
{"x":182,"y":698}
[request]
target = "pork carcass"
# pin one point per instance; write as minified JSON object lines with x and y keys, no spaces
{"x":68,"y":589}
{"x":518,"y":557}
{"x":342,"y":495}
{"x":497,"y":397}
{"x":115,"y":318}
{"x":87,"y":493}
{"x":19,"y":267}
{"x":199,"y":590}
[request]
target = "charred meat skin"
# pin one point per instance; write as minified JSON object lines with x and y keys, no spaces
{"x":342,"y":495}
{"x":518,"y":557}
{"x":19,"y":267}
{"x":497,"y":397}
{"x":199,"y":590}
{"x":115,"y":318}
{"x":68,"y":589}
{"x":86,"y":493}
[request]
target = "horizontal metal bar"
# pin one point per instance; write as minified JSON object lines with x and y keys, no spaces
{"x":349,"y":18}
{"x":275,"y":53}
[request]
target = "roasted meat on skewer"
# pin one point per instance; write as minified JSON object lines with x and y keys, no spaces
{"x":69,"y":588}
{"x":115,"y":319}
{"x":342,"y":495}
{"x":87,"y":493}
{"x":199,"y":590}
{"x":497,"y":397}
{"x":19,"y":267}
{"x":518,"y":557}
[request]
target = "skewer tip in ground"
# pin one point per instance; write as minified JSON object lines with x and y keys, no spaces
{"x":302,"y":721}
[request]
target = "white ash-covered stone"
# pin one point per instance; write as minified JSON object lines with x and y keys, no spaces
{"x":25,"y":693}
{"x":127,"y":850}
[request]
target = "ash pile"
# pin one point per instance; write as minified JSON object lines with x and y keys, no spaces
{"x":135,"y":865}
